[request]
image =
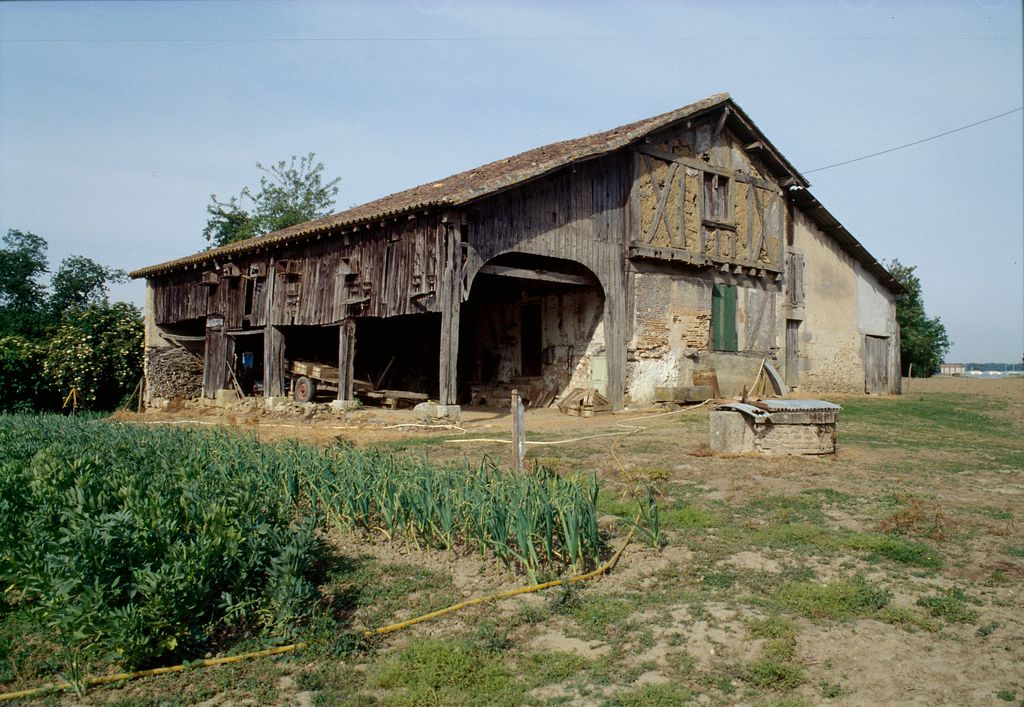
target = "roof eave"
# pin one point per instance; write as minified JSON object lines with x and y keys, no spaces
{"x":640,"y":130}
{"x":782,"y":164}
{"x":817,"y":212}
{"x":277,"y":239}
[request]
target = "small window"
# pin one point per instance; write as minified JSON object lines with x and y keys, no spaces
{"x":716,"y":198}
{"x":723,"y":318}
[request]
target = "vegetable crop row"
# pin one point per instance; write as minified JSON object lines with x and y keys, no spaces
{"x":144,"y":541}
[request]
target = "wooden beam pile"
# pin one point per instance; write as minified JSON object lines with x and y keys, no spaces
{"x":174,"y":372}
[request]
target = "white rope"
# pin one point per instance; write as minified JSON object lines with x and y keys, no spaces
{"x":632,"y":430}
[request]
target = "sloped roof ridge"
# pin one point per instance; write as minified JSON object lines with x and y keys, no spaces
{"x":465,"y":186}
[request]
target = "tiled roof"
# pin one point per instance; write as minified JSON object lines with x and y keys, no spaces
{"x":464,"y":186}
{"x":502,"y":174}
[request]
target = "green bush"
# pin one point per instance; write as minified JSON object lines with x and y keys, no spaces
{"x":950,"y":605}
{"x":98,"y":351}
{"x":140,"y":542}
{"x":21,"y":370}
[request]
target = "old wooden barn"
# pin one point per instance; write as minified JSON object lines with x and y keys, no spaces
{"x":624,"y":261}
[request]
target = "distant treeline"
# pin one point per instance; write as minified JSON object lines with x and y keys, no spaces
{"x":994,"y":367}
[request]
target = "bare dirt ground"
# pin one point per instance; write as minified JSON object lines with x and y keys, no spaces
{"x":889,"y":573}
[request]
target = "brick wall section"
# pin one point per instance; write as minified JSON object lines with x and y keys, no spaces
{"x":651,"y":316}
{"x":697,"y":330}
{"x":781,"y":440}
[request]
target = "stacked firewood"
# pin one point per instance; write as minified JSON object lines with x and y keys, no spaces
{"x":174,"y":373}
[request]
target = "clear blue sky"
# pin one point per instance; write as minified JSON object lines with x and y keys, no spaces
{"x":118,"y":120}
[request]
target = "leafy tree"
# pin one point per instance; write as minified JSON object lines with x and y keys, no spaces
{"x":98,"y":350}
{"x":923,"y":339}
{"x":82,"y":282}
{"x":70,"y":336}
{"x":21,"y":369}
{"x":289,"y":193}
{"x":22,"y":263}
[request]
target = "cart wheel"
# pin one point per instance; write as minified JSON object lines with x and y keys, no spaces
{"x":305,"y":390}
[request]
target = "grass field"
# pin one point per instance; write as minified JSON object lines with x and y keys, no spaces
{"x":890,"y":573}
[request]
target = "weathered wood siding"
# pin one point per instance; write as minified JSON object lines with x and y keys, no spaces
{"x":382,"y":272}
{"x":577,"y":214}
{"x":179,"y":297}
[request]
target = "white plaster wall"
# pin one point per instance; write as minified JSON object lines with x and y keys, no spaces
{"x":831,"y":350}
{"x":572,"y":329}
{"x":874,"y":305}
{"x":151,"y":332}
{"x":876,"y":316}
{"x":573,"y":325}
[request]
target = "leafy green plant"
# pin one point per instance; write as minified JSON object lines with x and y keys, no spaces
{"x":987,"y":630}
{"x":141,"y":542}
{"x":434,"y":671}
{"x":838,"y":600}
{"x":529,"y":521}
{"x":950,"y":605}
{"x":648,"y":520}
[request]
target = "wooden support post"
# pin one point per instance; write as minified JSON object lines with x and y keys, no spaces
{"x":518,"y":433}
{"x":346,"y":358}
{"x":720,"y":125}
{"x":615,"y":336}
{"x":450,"y":295}
{"x":273,"y":362}
{"x":214,"y":356}
{"x":273,"y":342}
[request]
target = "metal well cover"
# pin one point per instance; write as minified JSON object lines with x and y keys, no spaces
{"x":799,"y":405}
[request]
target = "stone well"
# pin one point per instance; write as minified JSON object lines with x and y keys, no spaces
{"x":775,"y":427}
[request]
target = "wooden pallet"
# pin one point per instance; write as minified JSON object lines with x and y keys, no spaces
{"x":584,"y":402}
{"x":392,"y":398}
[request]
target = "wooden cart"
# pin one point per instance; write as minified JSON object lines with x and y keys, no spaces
{"x":309,"y":377}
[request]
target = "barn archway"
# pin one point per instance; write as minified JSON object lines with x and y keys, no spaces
{"x":533,"y":324}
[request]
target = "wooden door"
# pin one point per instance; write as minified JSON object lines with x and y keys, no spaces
{"x":215,"y":356}
{"x":876,"y":364}
{"x":599,"y":373}
{"x":792,"y":352}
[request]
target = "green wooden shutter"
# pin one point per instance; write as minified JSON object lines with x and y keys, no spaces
{"x":723,"y":318}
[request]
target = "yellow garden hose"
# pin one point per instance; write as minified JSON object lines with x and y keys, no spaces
{"x":606,"y":567}
{"x":210,"y":662}
{"x":118,"y":677}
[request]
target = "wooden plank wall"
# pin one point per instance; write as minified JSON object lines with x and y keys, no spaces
{"x":381,"y":272}
{"x":386,"y":272}
{"x":577,"y":214}
{"x":216,"y":355}
{"x":450,"y":299}
{"x":179,"y":297}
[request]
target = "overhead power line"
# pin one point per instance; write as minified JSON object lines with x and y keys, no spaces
{"x":916,"y":142}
